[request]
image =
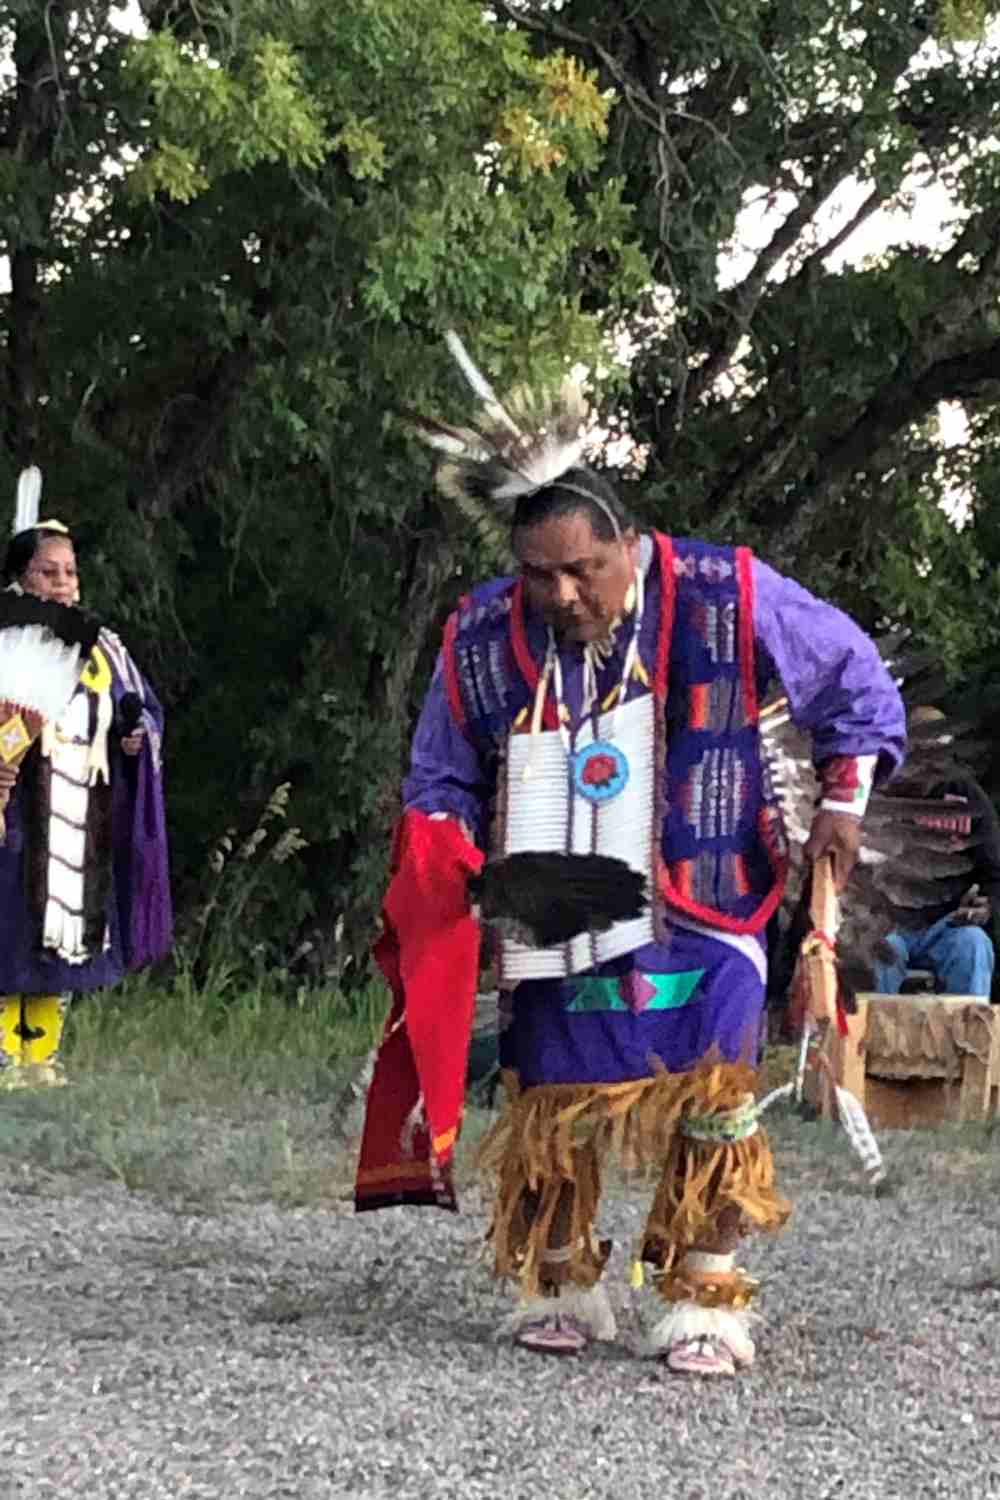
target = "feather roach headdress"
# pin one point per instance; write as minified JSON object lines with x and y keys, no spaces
{"x":512,"y":448}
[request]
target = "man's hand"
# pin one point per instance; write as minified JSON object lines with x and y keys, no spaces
{"x":8,"y":776}
{"x":972,"y":911}
{"x":837,"y":834}
{"x":132,"y":743}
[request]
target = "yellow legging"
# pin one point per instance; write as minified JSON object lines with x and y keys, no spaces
{"x":31,"y":1027}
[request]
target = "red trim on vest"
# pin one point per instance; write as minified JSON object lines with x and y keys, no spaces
{"x":671,"y":893}
{"x":525,"y":662}
{"x":744,"y":559}
{"x":451,"y":684}
{"x":712,"y":918}
{"x":668,"y":591}
{"x":661,"y":683}
{"x":522,"y":654}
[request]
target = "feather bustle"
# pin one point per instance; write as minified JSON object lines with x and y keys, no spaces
{"x":908,"y":869}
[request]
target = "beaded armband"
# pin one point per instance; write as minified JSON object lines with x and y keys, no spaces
{"x":722,"y":1126}
{"x":847,"y":783}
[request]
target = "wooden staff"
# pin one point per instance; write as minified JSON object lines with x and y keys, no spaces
{"x":820,"y":1083}
{"x":818,"y":976}
{"x":820,"y":945}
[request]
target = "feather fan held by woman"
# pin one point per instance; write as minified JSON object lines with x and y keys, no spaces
{"x":44,"y":648}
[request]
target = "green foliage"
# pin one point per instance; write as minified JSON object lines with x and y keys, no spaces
{"x":263,"y":1033}
{"x":245,"y":908}
{"x":963,"y":20}
{"x":309,"y":195}
{"x":212,"y":119}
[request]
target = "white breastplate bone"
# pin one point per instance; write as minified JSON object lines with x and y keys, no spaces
{"x":69,"y":753}
{"x":544,"y":813}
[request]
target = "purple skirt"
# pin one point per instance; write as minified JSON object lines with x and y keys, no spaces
{"x":671,"y":1002}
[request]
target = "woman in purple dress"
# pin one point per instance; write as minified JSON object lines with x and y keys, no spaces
{"x":84,"y":880}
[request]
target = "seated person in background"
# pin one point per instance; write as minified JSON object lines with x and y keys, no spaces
{"x":955,"y":944}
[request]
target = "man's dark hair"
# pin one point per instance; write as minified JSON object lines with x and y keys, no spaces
{"x":22,"y":548}
{"x":578,"y":490}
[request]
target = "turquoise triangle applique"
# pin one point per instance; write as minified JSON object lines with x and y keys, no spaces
{"x":636,"y":992}
{"x":596,"y":994}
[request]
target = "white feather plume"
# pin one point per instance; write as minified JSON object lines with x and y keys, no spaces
{"x":587,"y":1305}
{"x":29,"y":496}
{"x":860,"y":1134}
{"x":477,"y":380}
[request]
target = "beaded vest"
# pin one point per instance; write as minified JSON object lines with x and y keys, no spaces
{"x":719,"y":854}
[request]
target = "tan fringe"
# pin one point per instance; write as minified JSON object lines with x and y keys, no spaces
{"x":733,"y":1289}
{"x":546,"y":1152}
{"x":701,"y":1179}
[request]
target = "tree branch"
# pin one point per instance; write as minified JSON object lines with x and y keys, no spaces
{"x":737,"y":308}
{"x":193,"y":424}
{"x":870,"y":205}
{"x":974,"y":373}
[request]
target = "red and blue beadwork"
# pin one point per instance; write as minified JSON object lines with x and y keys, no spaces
{"x":599,"y":771}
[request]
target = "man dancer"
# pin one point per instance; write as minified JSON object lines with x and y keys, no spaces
{"x":606,"y":699}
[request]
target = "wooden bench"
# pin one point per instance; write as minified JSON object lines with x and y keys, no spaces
{"x":919,"y":1059}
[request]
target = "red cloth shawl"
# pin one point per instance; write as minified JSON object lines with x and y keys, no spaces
{"x":429,"y":953}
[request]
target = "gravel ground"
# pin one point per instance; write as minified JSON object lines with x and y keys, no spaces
{"x":308,"y":1352}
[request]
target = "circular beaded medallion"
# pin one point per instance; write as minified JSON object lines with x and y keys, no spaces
{"x":599,"y":771}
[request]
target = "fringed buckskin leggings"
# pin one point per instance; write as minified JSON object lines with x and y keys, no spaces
{"x":546,"y":1154}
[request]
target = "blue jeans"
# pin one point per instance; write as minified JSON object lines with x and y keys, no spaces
{"x":960,"y":957}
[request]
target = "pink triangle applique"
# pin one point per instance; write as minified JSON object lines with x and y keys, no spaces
{"x":636,"y":990}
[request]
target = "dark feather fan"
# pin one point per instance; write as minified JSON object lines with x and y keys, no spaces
{"x":539,"y":899}
{"x":60,"y":622}
{"x":919,"y":850}
{"x":544,"y":900}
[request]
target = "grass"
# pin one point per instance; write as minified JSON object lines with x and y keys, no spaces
{"x":197,"y":1102}
{"x":204,"y":1103}
{"x":253,"y":1033}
